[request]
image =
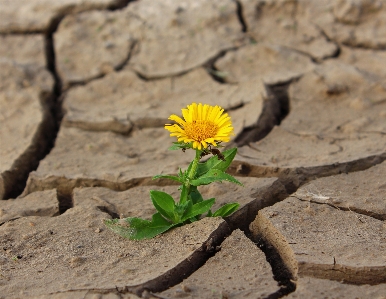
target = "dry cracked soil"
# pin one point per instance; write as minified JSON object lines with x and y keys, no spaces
{"x":86,"y":87}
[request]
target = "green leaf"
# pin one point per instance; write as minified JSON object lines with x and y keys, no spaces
{"x":195,"y":218}
{"x":184,"y":194}
{"x":181,"y":175}
{"x":198,"y":208}
{"x":214,"y":175}
{"x":139,"y":229}
{"x":188,"y":169}
{"x":180,"y":209}
{"x":174,"y":147}
{"x":186,"y":208}
{"x":215,"y":163}
{"x":195,"y":195}
{"x":180,"y":145}
{"x":226,"y":210}
{"x":171,"y":177}
{"x":164,"y":204}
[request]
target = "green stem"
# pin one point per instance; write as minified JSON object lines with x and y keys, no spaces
{"x":186,"y":188}
{"x":193,"y":170}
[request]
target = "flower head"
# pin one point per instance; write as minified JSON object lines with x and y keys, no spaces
{"x":202,"y":125}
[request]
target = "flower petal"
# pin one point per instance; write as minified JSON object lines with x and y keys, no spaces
{"x":177,"y":119}
{"x":199,"y":111}
{"x":185,"y":114}
{"x":201,"y":125}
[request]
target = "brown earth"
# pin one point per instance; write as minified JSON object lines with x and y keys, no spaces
{"x":85,"y":89}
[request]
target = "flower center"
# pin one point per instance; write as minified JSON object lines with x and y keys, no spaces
{"x":200,"y":130}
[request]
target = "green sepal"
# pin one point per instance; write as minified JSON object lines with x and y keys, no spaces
{"x":215,"y":163}
{"x":170,"y":177}
{"x":164,"y":204}
{"x":214,"y":175}
{"x":139,"y":229}
{"x":198,"y":209}
{"x":225,"y":210}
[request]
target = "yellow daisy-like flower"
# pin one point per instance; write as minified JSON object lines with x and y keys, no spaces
{"x":203,"y":125}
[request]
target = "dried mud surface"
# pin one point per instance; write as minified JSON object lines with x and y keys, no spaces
{"x":86,"y":88}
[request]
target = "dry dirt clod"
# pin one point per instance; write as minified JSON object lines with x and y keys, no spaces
{"x":220,"y":274}
{"x":74,"y":257}
{"x":304,"y":84}
{"x":328,"y":243}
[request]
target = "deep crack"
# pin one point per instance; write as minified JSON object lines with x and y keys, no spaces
{"x":280,"y":272}
{"x":240,"y":16}
{"x":15,"y":179}
{"x":186,"y":267}
{"x":276,"y":108}
{"x":65,"y":201}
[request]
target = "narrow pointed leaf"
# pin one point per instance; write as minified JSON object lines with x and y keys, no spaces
{"x":215,"y":163}
{"x":198,"y":208}
{"x":174,"y":147}
{"x":214,"y":175}
{"x":139,"y":229}
{"x":180,"y":145}
{"x":226,"y":210}
{"x":164,"y":204}
{"x":186,"y":208}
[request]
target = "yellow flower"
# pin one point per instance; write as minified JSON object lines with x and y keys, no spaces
{"x":203,"y":124}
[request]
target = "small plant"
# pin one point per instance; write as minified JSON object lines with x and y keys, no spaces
{"x":203,"y":130}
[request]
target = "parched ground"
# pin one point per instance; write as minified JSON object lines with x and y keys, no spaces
{"x":85,"y":89}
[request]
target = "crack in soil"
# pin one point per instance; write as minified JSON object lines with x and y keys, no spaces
{"x":176,"y":275}
{"x":210,"y":67}
{"x":329,"y":201}
{"x":276,"y":108}
{"x":281,"y":273}
{"x":44,"y":139}
{"x":118,"y":68}
{"x":42,"y":142}
{"x":240,"y":16}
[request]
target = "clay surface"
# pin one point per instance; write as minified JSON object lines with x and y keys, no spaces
{"x":76,"y":244}
{"x":32,"y":16}
{"x":287,"y":23}
{"x":362,"y":191}
{"x":86,"y":87}
{"x":25,"y":50}
{"x":85,"y":158}
{"x":352,"y":106}
{"x":322,"y":241}
{"x":167,"y":32}
{"x":220,"y":276}
{"x":25,"y":93}
{"x":98,"y":106}
{"x":322,"y":288}
{"x":44,"y":203}
{"x":270,"y":63}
